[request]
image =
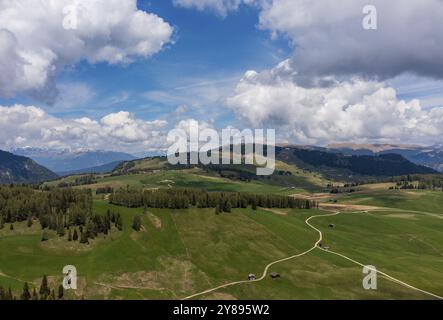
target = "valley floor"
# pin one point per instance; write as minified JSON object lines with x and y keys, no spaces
{"x":180,"y":253}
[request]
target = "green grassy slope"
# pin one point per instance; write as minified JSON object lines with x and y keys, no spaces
{"x":182,"y":252}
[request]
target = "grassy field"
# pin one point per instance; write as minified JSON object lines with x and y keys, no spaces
{"x":182,"y":252}
{"x":152,"y":173}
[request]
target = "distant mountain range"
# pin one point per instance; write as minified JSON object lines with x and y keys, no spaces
{"x":62,"y":161}
{"x":106,"y":168}
{"x":337,"y":164}
{"x":428,"y":156}
{"x":342,"y":162}
{"x":18,"y":169}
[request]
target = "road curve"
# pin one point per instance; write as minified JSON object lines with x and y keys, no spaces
{"x":265,"y":272}
{"x":307,"y":221}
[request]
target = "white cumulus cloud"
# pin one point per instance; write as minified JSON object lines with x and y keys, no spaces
{"x":40,"y":38}
{"x":329,"y":38}
{"x":31,"y":126}
{"x":351,"y":110}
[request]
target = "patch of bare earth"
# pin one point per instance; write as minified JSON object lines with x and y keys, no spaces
{"x":312,"y":196}
{"x":409,"y":216}
{"x":281,"y":213}
{"x":347,"y":207}
{"x":156,"y":221}
{"x":220,"y":296}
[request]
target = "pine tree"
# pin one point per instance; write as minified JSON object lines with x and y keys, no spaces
{"x":84,"y":238}
{"x":29,"y":222}
{"x":119,"y":222}
{"x":60,"y":229}
{"x":75,"y":235}
{"x":9,"y":295}
{"x":11,"y":227}
{"x":227,"y":206}
{"x":44,"y":236}
{"x":44,"y":288}
{"x":254,"y":204}
{"x":61,"y":292}
{"x":137,"y":223}
{"x":34,"y":294}
{"x":26,"y":295}
{"x":2,"y":293}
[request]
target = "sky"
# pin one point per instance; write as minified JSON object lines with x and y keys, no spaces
{"x":119,"y":74}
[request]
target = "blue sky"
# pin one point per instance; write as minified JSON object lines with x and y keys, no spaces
{"x":310,"y":71}
{"x":208,"y":52}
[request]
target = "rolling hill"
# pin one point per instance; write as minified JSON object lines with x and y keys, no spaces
{"x":383,"y":165}
{"x":428,"y":156}
{"x":18,"y":169}
{"x":105,"y":168}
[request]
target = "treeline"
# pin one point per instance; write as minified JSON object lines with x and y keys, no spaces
{"x":43,"y":293}
{"x":19,"y":203}
{"x":185,"y":198}
{"x":78,"y":181}
{"x":417,"y":181}
{"x":104,"y":190}
{"x":65,"y":211}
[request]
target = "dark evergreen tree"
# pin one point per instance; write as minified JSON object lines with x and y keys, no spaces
{"x":75,"y":235}
{"x":44,"y":288}
{"x":61,"y":292}
{"x":34,"y":294}
{"x":84,"y":238}
{"x":26,"y":295}
{"x":29,"y":222}
{"x":137,"y":223}
{"x":45,"y":236}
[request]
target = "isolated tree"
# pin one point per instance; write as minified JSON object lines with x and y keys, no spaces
{"x":44,"y":288}
{"x":61,"y":292}
{"x":75,"y":235}
{"x":11,"y":227}
{"x":227,"y":206}
{"x":34,"y":294}
{"x":137,"y":223}
{"x":254,"y":204}
{"x":26,"y":295}
{"x":44,"y":236}
{"x":29,"y":222}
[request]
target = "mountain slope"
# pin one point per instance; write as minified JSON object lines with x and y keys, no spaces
{"x":428,"y":156}
{"x":106,"y":168}
{"x":302,"y":161}
{"x":18,"y":169}
{"x":66,"y":161}
{"x":366,"y":165}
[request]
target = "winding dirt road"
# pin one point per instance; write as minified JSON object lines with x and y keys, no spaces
{"x":307,"y":221}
